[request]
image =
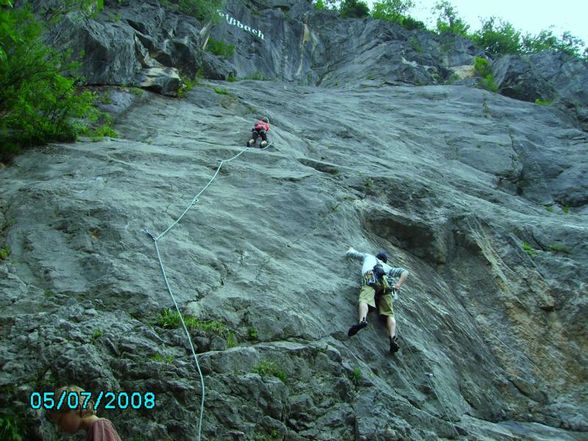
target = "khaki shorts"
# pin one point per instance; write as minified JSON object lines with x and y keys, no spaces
{"x":368,"y":295}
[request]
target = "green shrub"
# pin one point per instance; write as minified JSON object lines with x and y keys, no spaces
{"x":529,"y":249}
{"x":97,"y":334}
{"x":266,"y":436}
{"x":252,"y":333}
{"x":488,"y":83}
{"x":482,"y":69}
{"x":354,"y":9}
{"x":105,"y":98}
{"x":220,"y":48}
{"x":356,"y":376}
{"x":187,"y":85}
{"x":543,"y":102}
{"x":162,"y":358}
{"x":231,"y":340}
{"x":395,"y":12}
{"x":4,"y":252}
{"x":137,"y":91}
{"x":268,"y":368}
{"x":547,"y":41}
{"x":566,"y":209}
{"x":203,"y":10}
{"x":320,"y":5}
{"x":391,"y":10}
{"x":99,"y":132}
{"x":498,"y":38}
{"x":170,"y":319}
{"x":231,"y":78}
{"x":10,"y":428}
{"x":412,"y":23}
{"x":38,"y":104}
{"x":448,"y":20}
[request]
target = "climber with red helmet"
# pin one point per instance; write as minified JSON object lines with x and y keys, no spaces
{"x":260,"y":128}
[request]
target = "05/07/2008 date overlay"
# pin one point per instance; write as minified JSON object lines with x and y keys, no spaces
{"x":105,"y":400}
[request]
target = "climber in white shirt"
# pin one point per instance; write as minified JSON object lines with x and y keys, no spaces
{"x":375,"y":287}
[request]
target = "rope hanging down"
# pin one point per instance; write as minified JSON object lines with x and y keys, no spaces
{"x":167,"y":285}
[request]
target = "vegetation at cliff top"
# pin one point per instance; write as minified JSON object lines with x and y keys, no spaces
{"x":203,"y":10}
{"x":496,"y":36}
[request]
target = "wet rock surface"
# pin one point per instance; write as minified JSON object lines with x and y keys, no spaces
{"x":490,"y":322}
{"x":482,"y":197}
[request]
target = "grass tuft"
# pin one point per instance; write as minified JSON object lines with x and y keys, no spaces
{"x":267,"y":368}
{"x":4,"y":252}
{"x":527,"y":248}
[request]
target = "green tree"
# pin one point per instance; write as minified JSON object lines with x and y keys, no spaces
{"x":38,"y":104}
{"x":498,"y":37}
{"x":6,"y":26}
{"x":354,"y":9}
{"x":448,"y":20}
{"x":391,"y":10}
{"x":546,"y":40}
{"x":331,"y":5}
{"x":395,"y":11}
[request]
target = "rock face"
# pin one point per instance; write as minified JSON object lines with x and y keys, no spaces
{"x":300,"y":44}
{"x":141,"y":43}
{"x":134,"y":43}
{"x":548,"y":76}
{"x":454,"y":183}
{"x":482,"y":197}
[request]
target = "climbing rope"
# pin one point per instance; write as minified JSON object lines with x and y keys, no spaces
{"x":156,"y":239}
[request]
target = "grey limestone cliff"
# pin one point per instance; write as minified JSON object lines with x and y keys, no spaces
{"x":482,"y":197}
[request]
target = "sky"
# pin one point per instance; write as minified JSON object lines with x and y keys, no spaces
{"x":528,"y":16}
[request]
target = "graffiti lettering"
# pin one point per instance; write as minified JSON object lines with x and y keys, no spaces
{"x":234,"y":22}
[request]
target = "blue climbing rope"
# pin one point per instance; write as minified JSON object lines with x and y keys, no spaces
{"x":156,"y":239}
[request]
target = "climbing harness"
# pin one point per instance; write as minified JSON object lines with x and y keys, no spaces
{"x":156,"y":239}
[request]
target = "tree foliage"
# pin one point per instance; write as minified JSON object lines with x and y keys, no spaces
{"x":498,"y":37}
{"x":354,"y":9}
{"x":38,"y":104}
{"x":391,"y":10}
{"x":6,"y":26}
{"x":546,"y":40}
{"x":331,"y":5}
{"x":448,"y":20}
{"x":396,"y":12}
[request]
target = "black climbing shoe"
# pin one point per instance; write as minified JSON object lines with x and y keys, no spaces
{"x":355,"y":328}
{"x":250,"y":142}
{"x":394,"y":344}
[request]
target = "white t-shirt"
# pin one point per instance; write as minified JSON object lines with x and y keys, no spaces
{"x":369,"y":261}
